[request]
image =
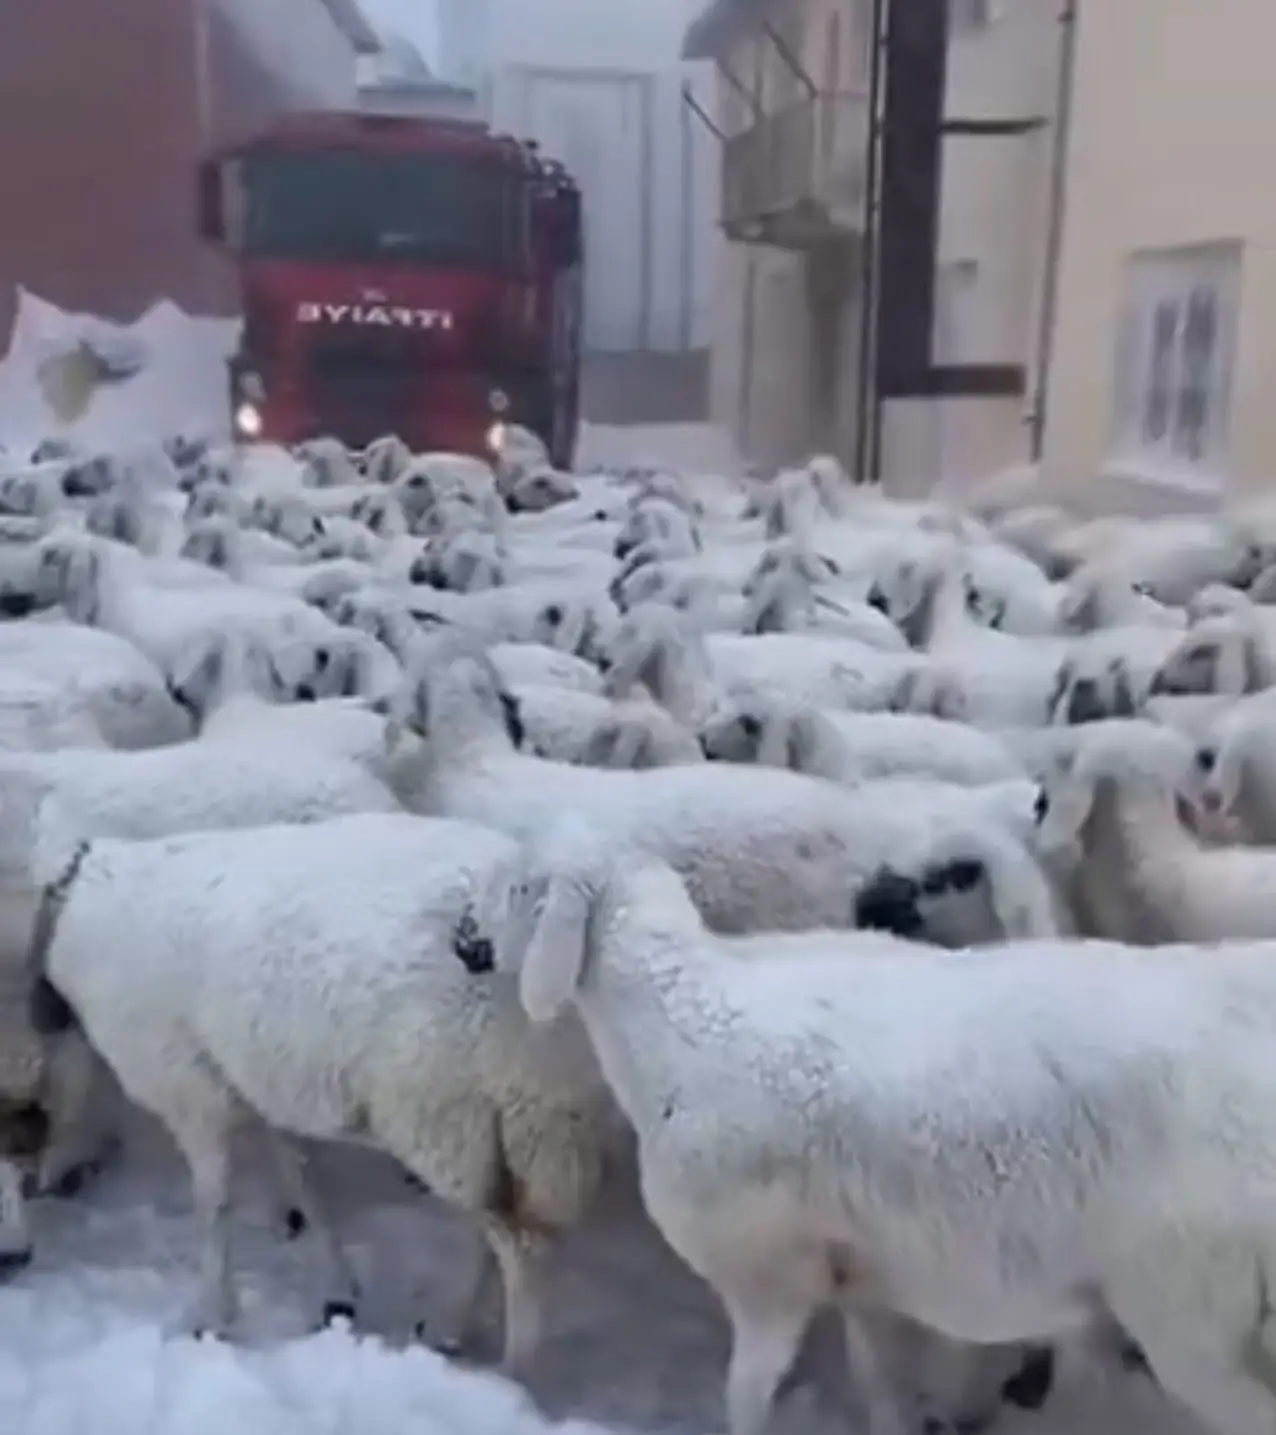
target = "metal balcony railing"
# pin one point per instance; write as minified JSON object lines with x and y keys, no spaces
{"x":796,"y":177}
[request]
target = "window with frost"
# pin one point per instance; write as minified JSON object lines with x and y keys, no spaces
{"x":1174,"y":359}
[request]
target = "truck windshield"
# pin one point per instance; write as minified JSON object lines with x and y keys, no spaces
{"x":406,"y":208}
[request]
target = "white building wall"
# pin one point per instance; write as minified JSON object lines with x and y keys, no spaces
{"x":299,"y":42}
{"x":600,"y":86}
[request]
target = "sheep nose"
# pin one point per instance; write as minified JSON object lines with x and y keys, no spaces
{"x":1085,"y":705}
{"x":889,"y":904}
{"x":305,"y":693}
{"x":877,"y":599}
{"x":622,"y":550}
{"x":11,"y":1262}
{"x":16,"y":605}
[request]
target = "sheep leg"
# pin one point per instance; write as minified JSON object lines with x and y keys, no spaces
{"x":83,"y":1138}
{"x":519,"y":1256}
{"x":201,"y":1125}
{"x":463,"y":1316}
{"x":15,"y":1230}
{"x":764,"y":1343}
{"x":340,"y":1286}
{"x":1197,"y":1306}
{"x":868,"y":1374}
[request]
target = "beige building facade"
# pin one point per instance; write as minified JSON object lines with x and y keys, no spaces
{"x":793,"y":111}
{"x":1163,"y":373}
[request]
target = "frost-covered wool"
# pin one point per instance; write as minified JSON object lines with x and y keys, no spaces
{"x":122,"y":690}
{"x":852,"y":748}
{"x":318,"y":975}
{"x":1144,"y":878}
{"x":781,"y":1110}
{"x":759,"y":848}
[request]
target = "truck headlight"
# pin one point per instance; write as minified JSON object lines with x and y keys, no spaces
{"x":496,"y":437}
{"x":248,"y":421}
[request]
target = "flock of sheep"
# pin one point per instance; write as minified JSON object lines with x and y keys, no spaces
{"x":895,"y":878}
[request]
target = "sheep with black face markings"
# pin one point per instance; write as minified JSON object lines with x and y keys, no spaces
{"x":759,"y":847}
{"x":852,"y":748}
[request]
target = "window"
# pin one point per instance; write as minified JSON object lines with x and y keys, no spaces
{"x":1174,"y":359}
{"x":346,"y":206}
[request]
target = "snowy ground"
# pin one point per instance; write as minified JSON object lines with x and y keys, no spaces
{"x":635,"y":1341}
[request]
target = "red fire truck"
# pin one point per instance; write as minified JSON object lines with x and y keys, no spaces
{"x":416,"y":276}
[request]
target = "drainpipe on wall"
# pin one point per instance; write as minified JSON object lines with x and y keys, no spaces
{"x":1054,"y":229}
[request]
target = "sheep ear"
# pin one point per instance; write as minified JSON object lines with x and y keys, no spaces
{"x":555,"y":958}
{"x":1123,"y":704}
{"x":1020,"y":900}
{"x":639,"y":747}
{"x":1062,"y":682}
{"x":1234,"y":664}
{"x":1249,"y":651}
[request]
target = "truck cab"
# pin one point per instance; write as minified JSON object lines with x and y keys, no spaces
{"x":399,"y":275}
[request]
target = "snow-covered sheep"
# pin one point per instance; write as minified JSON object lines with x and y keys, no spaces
{"x":1234,"y":759}
{"x":443,"y":492}
{"x":557,"y":614}
{"x":967,"y":888}
{"x":691,"y":674}
{"x":538,"y":488}
{"x":216,"y":667}
{"x":220,"y":543}
{"x":118,"y":590}
{"x":1001,"y":679}
{"x":1048,"y":1088}
{"x":759,"y":847}
{"x":381,"y":513}
{"x":468,"y":562}
{"x":290,"y":518}
{"x":1126,"y":798}
{"x":329,"y":464}
{"x":789,"y":600}
{"x":37,"y":715}
{"x":384,"y":459}
{"x":852,"y":748}
{"x":1173,"y":557}
{"x":124,"y":693}
{"x":316,"y":978}
{"x":34,"y":492}
{"x":570,"y":725}
{"x":1232,"y":653}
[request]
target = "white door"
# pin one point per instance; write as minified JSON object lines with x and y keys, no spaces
{"x":599,"y":126}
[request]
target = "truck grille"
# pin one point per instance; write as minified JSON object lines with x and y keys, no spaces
{"x":357,"y":396}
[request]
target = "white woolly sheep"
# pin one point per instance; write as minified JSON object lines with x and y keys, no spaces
{"x":691,"y":674}
{"x":1143,"y":876}
{"x":569,"y":725}
{"x":315,"y":977}
{"x":759,"y":847}
{"x":852,"y":748}
{"x":895,"y":1169}
{"x":123,"y":692}
{"x":1232,"y":653}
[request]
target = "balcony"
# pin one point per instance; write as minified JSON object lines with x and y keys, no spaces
{"x":796,"y":178}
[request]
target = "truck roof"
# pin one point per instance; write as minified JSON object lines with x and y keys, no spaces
{"x":363,"y":129}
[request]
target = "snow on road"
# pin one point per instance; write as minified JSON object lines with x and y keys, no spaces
{"x":635,"y":1342}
